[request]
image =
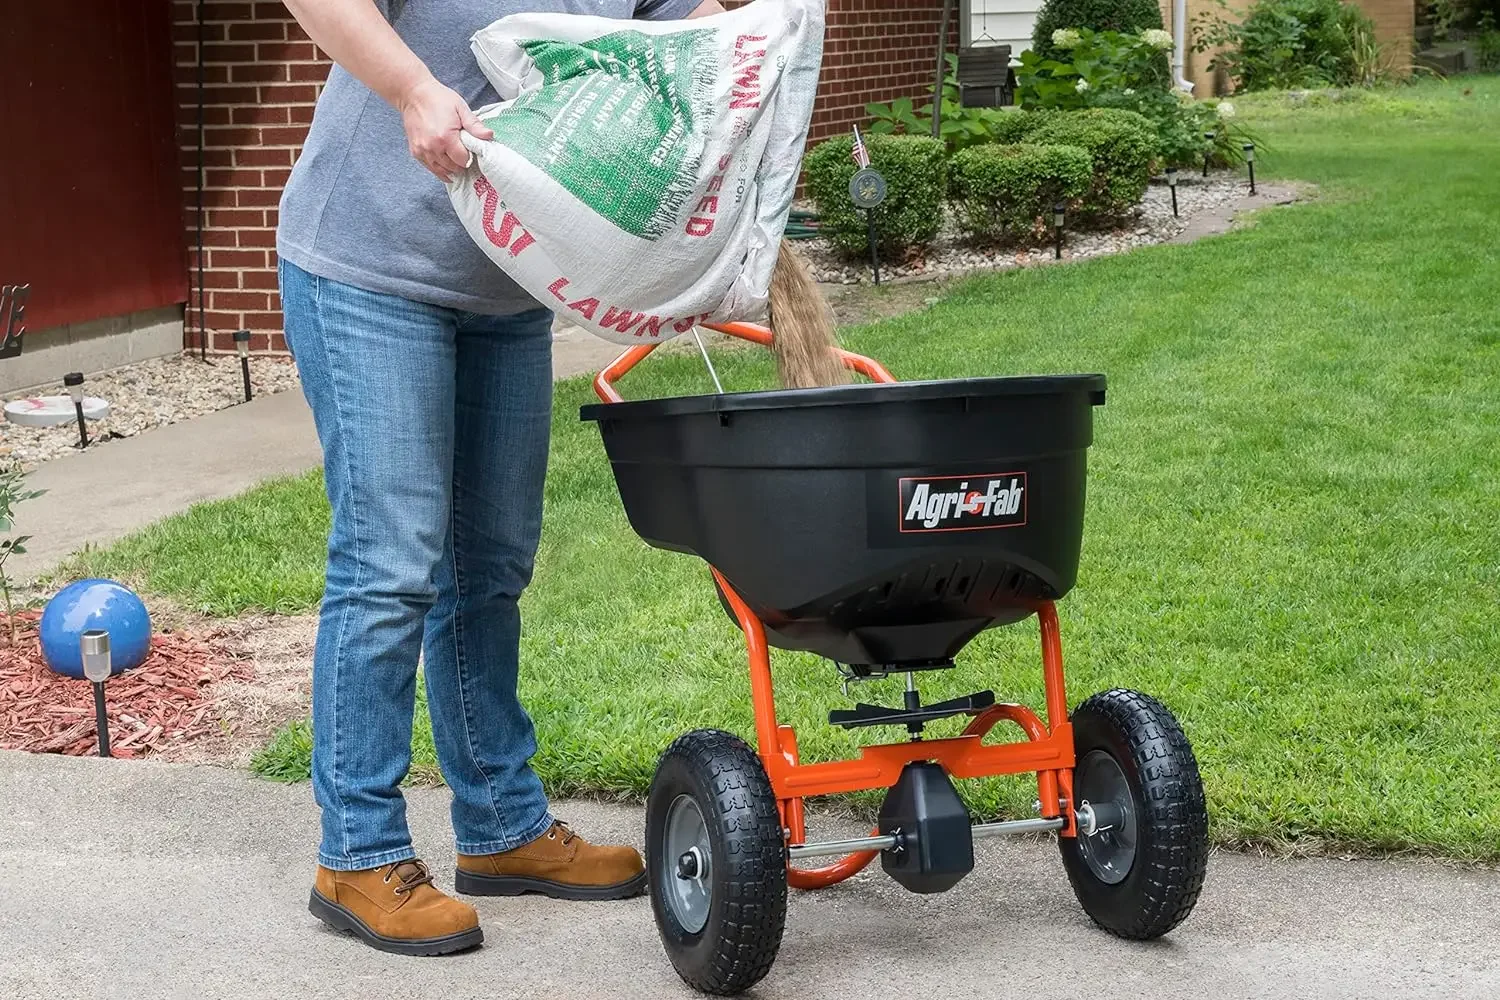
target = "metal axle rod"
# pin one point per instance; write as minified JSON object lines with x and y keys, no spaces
{"x":1011,"y":827}
{"x":831,"y":848}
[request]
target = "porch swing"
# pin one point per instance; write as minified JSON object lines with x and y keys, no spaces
{"x":985,"y":79}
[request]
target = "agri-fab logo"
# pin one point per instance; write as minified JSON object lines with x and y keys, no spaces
{"x":963,"y":503}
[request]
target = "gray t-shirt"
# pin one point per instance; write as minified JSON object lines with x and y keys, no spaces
{"x":359,"y":209}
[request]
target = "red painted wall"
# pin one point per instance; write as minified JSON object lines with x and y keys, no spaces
{"x":90,"y":201}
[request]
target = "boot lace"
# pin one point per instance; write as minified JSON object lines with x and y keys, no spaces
{"x":567,"y":831}
{"x":409,"y":875}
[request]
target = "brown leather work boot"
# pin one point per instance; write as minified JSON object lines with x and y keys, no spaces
{"x":395,"y":908}
{"x":560,"y":864}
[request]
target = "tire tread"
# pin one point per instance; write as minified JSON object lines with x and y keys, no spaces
{"x":1172,"y":837}
{"x":754,"y":919}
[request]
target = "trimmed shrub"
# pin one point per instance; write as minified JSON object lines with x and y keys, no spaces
{"x":1001,"y":190}
{"x":1100,"y":15}
{"x":915,"y":168}
{"x":1016,"y":126}
{"x":1122,"y":145}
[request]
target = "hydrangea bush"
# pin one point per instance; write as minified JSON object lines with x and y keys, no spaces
{"x":1097,"y":61}
{"x":1126,"y":16}
{"x":1111,"y":69}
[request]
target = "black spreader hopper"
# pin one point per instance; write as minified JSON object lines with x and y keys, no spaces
{"x":877,"y":525}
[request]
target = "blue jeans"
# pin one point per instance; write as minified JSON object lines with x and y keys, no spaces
{"x":434,"y":425}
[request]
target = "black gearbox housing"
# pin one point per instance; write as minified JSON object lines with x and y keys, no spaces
{"x":937,"y":842}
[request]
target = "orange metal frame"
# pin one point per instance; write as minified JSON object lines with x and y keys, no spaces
{"x":1047,"y":749}
{"x":605,"y":380}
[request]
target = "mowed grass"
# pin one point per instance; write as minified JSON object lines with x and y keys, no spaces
{"x":1293,"y":527}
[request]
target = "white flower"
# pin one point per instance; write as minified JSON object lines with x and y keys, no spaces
{"x":1157,"y":39}
{"x":1129,"y":91}
{"x":1226,"y":110}
{"x":1081,"y":85}
{"x":1065,"y":38}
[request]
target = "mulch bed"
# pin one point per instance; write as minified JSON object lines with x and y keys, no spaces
{"x":166,"y":701}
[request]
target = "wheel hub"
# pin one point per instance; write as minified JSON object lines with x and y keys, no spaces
{"x":687,"y":856}
{"x":1109,"y":848}
{"x":692,"y":864}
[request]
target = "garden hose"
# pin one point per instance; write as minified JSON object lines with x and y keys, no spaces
{"x":801,"y":225}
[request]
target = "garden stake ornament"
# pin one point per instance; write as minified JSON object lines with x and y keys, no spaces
{"x":242,"y":348}
{"x":1209,"y":152}
{"x":93,"y":645}
{"x":74,"y":382}
{"x":1250,"y":163}
{"x":867,"y":190}
{"x":1058,"y":218}
{"x":1172,"y":183}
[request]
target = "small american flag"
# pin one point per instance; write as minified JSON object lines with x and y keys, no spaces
{"x":860,"y":153}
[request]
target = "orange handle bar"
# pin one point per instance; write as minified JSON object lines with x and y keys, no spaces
{"x":612,"y":373}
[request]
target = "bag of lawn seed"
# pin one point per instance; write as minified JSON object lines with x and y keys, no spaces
{"x":641,"y":172}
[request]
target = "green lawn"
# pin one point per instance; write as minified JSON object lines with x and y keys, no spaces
{"x":1293,"y":525}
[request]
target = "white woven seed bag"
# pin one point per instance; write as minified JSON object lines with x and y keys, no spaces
{"x":641,"y":172}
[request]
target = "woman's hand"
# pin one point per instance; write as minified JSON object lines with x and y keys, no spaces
{"x":433,"y":116}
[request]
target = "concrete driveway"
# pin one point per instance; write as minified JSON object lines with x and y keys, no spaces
{"x":128,"y":879}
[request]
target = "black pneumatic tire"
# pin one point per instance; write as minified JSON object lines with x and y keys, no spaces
{"x":723,"y":778}
{"x":1171,"y":825}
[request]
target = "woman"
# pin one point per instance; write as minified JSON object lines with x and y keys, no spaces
{"x":429,"y":376}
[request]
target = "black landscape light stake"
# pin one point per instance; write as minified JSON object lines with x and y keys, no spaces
{"x":1172,"y":183}
{"x":1058,"y":218}
{"x":74,"y":382}
{"x":94,"y":645}
{"x":1209,"y":152}
{"x":242,"y":348}
{"x":1250,"y":162}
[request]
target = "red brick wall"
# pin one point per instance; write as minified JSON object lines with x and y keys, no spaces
{"x":262,"y":76}
{"x":875,"y":51}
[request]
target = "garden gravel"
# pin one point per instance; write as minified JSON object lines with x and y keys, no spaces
{"x":146,"y":395}
{"x":952,"y":254}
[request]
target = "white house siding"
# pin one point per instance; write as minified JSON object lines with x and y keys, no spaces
{"x":999,"y":22}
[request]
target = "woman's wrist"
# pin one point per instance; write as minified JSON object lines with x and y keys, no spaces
{"x":407,"y":85}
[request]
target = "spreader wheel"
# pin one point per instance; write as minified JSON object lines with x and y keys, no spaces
{"x":717,"y":862}
{"x":1138,"y":874}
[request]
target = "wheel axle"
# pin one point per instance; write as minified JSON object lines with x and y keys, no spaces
{"x":1096,"y":818}
{"x":832,"y":848}
{"x":691,"y":864}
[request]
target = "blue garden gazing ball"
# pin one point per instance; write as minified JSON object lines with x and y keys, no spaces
{"x":95,"y":604}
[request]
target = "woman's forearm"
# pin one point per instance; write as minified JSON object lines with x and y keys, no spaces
{"x":358,"y":37}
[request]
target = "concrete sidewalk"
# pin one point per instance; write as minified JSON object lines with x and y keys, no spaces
{"x":130,"y":879}
{"x":108,"y":492}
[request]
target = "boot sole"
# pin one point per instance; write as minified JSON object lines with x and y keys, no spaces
{"x":476,"y":884}
{"x":341,"y":919}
